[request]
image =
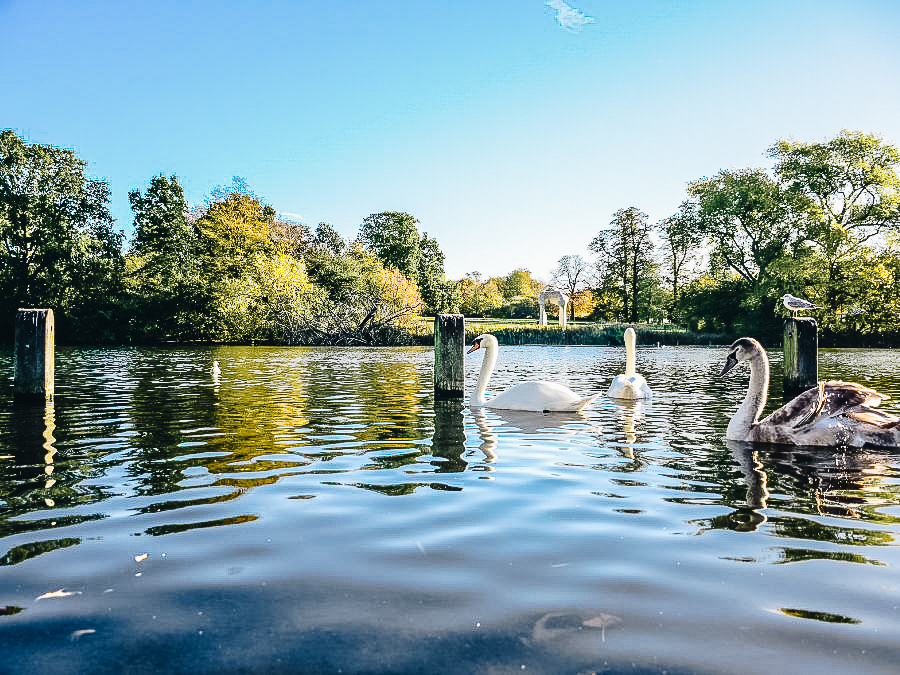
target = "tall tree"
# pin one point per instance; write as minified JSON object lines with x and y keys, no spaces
{"x":394,"y":239}
{"x":163,"y":265}
{"x":625,"y":253}
{"x":749,"y":221}
{"x":329,"y":239}
{"x":59,"y":248}
{"x":430,"y":277}
{"x":852,"y":196}
{"x":572,"y":274}
{"x":682,"y":243}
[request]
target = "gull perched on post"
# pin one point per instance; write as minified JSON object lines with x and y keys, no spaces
{"x":797,"y":304}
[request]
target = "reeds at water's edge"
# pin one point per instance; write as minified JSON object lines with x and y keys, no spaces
{"x":510,"y":333}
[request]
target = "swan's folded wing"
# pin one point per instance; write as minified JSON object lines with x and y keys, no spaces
{"x":799,"y":410}
{"x":841,"y":396}
{"x":877,"y":418}
{"x":826,"y":399}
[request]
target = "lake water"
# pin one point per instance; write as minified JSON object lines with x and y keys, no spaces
{"x":314,"y":510}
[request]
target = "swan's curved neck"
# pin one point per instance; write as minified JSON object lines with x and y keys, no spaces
{"x":489,"y":344}
{"x":748,"y":412}
{"x":630,"y":349}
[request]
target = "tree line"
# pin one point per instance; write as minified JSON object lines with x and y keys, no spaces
{"x":228,"y":270}
{"x":823,"y":224}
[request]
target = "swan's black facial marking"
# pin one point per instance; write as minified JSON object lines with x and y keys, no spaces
{"x":730,"y":362}
{"x":476,"y":344}
{"x":745,"y":345}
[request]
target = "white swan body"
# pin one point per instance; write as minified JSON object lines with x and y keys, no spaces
{"x":534,"y":395}
{"x":831,"y":414}
{"x":630,"y":384}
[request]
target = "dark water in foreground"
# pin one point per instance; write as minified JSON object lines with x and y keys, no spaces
{"x":315,"y":511}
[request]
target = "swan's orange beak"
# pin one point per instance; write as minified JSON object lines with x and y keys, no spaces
{"x":474,"y":347}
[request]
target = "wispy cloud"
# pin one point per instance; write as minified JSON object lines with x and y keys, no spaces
{"x":568,"y":17}
{"x":297,"y":217}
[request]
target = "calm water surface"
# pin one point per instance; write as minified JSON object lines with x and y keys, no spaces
{"x":314,"y":510}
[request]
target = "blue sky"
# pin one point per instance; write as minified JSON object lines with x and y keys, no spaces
{"x":512,"y":129}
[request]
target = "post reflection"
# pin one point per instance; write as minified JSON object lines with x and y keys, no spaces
{"x":449,"y":439}
{"x":34,"y":444}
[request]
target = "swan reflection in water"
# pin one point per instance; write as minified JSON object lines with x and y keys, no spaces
{"x":846,"y":484}
{"x":492,"y":423}
{"x":630,"y":412}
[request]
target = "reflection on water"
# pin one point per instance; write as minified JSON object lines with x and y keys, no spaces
{"x":329,"y":497}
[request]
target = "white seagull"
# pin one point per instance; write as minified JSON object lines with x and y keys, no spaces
{"x":797,"y":304}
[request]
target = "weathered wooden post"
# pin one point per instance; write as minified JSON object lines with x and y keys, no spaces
{"x":34,"y":353}
{"x":801,"y":355}
{"x":449,"y":347}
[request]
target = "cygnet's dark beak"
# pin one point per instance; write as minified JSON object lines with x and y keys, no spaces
{"x":730,"y":362}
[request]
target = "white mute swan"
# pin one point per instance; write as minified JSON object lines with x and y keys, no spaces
{"x":834,"y":413}
{"x":630,"y":384}
{"x":534,"y":395}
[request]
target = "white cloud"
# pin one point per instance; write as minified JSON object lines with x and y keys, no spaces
{"x":568,"y":17}
{"x":298,"y":217}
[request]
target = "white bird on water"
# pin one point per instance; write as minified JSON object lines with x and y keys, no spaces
{"x":533,"y":395}
{"x":797,"y":304}
{"x":630,"y":384}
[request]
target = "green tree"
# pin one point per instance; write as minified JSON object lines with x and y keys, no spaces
{"x":851,"y":192}
{"x":394,"y":239}
{"x":681,"y":244}
{"x":748,"y":221}
{"x":163,"y":267}
{"x":625,"y":261}
{"x":430,"y":276}
{"x":329,"y":239}
{"x":713,"y":304}
{"x":243,"y":261}
{"x":520,"y":295}
{"x":59,"y":249}
{"x":480,"y":297}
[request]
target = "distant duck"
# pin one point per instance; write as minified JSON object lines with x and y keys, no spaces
{"x":533,"y":395}
{"x":797,"y":304}
{"x":831,"y":414}
{"x":629,"y":385}
{"x":216,"y":371}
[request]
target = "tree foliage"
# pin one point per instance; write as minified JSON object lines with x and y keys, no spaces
{"x":394,"y":239}
{"x":625,"y":262}
{"x":851,"y":193}
{"x":572,"y":275}
{"x":59,"y":248}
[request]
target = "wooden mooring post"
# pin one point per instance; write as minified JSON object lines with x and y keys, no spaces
{"x":801,"y":355}
{"x":35,"y":341}
{"x":449,"y":352}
